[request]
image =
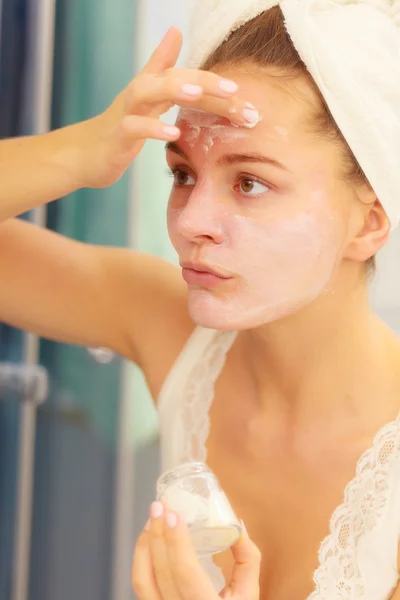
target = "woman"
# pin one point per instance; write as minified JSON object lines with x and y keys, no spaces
{"x":276,"y":212}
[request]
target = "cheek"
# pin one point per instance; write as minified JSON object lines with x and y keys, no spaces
{"x":285,"y":260}
{"x":172,"y":220}
{"x":285,"y":244}
{"x":282,"y":266}
{"x":298,"y":228}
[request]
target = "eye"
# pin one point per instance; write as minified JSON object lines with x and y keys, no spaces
{"x":181,"y":178}
{"x":250,"y":186}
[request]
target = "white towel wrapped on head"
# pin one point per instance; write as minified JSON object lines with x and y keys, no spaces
{"x":352,"y":50}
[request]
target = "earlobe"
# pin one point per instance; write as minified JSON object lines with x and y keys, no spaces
{"x":372,"y":236}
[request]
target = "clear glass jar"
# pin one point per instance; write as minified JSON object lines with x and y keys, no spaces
{"x":193,"y":491}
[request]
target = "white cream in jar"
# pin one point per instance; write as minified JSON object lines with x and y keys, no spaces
{"x":193,"y":491}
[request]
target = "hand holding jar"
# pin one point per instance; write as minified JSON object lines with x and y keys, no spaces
{"x":166,"y":564}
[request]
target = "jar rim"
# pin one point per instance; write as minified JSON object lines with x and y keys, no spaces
{"x":182,"y":470}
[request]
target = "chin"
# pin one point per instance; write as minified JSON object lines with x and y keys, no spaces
{"x":228,"y":314}
{"x":208,"y":321}
{"x":210,"y":312}
{"x":237,"y":313}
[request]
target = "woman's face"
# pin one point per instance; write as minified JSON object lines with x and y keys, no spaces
{"x":257,"y":216}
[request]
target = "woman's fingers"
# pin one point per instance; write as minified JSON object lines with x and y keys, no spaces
{"x":174,"y":86}
{"x":190,"y":579}
{"x":166,"y":54}
{"x":159,"y":552}
{"x":166,"y":566}
{"x":143,"y":579}
{"x":114,"y":139}
{"x":181,"y":84}
{"x":135,"y":128}
{"x":235,"y":110}
{"x":154,"y":95}
{"x":246,"y":571}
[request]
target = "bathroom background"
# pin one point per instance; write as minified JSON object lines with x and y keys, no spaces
{"x":78,"y":433}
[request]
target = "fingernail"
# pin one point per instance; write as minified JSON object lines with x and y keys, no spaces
{"x":171,"y":131}
{"x":251,"y":115}
{"x":244,"y":530}
{"x":156,"y":510}
{"x":191,"y":90}
{"x":147,"y":526}
{"x":172,"y":520}
{"x":228,"y":86}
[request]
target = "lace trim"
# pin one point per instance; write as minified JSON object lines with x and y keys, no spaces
{"x":366,"y":498}
{"x":199,"y":394}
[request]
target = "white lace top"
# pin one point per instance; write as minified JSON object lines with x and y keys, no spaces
{"x":359,"y":557}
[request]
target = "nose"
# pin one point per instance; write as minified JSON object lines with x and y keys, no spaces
{"x":201,"y":219}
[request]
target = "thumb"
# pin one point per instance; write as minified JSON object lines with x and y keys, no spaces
{"x":245,"y":581}
{"x":167,"y":52}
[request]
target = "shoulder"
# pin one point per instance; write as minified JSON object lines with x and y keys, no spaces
{"x":147,"y":296}
{"x":165,"y":324}
{"x":396,"y":595}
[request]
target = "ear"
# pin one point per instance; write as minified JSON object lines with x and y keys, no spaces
{"x":375,"y":229}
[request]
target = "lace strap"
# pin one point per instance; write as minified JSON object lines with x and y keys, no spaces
{"x":199,"y":395}
{"x":187,"y":393}
{"x":191,"y":354}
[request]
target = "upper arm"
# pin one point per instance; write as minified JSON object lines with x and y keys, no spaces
{"x":93,"y":296}
{"x":154,"y":314}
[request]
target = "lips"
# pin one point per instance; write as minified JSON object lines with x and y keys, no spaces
{"x":201,"y":275}
{"x":203,"y":268}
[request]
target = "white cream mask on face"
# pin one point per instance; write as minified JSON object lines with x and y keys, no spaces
{"x":279,"y":261}
{"x":281,"y":247}
{"x":207,"y":126}
{"x":214,"y":128}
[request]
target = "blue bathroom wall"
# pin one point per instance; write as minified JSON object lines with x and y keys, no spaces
{"x":77,"y":428}
{"x":14,"y":62}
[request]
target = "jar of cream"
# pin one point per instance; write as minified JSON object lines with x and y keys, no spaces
{"x":193,"y":491}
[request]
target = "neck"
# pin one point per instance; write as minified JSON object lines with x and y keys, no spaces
{"x":333,"y":357}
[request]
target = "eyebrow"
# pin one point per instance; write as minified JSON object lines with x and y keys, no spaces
{"x":232,"y":159}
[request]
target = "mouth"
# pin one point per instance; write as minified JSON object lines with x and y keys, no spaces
{"x":201,"y":275}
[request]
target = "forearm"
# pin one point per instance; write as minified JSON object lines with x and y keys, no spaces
{"x":35,"y":170}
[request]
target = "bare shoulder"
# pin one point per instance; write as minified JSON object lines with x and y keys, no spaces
{"x":157,"y":322}
{"x":396,"y":595}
